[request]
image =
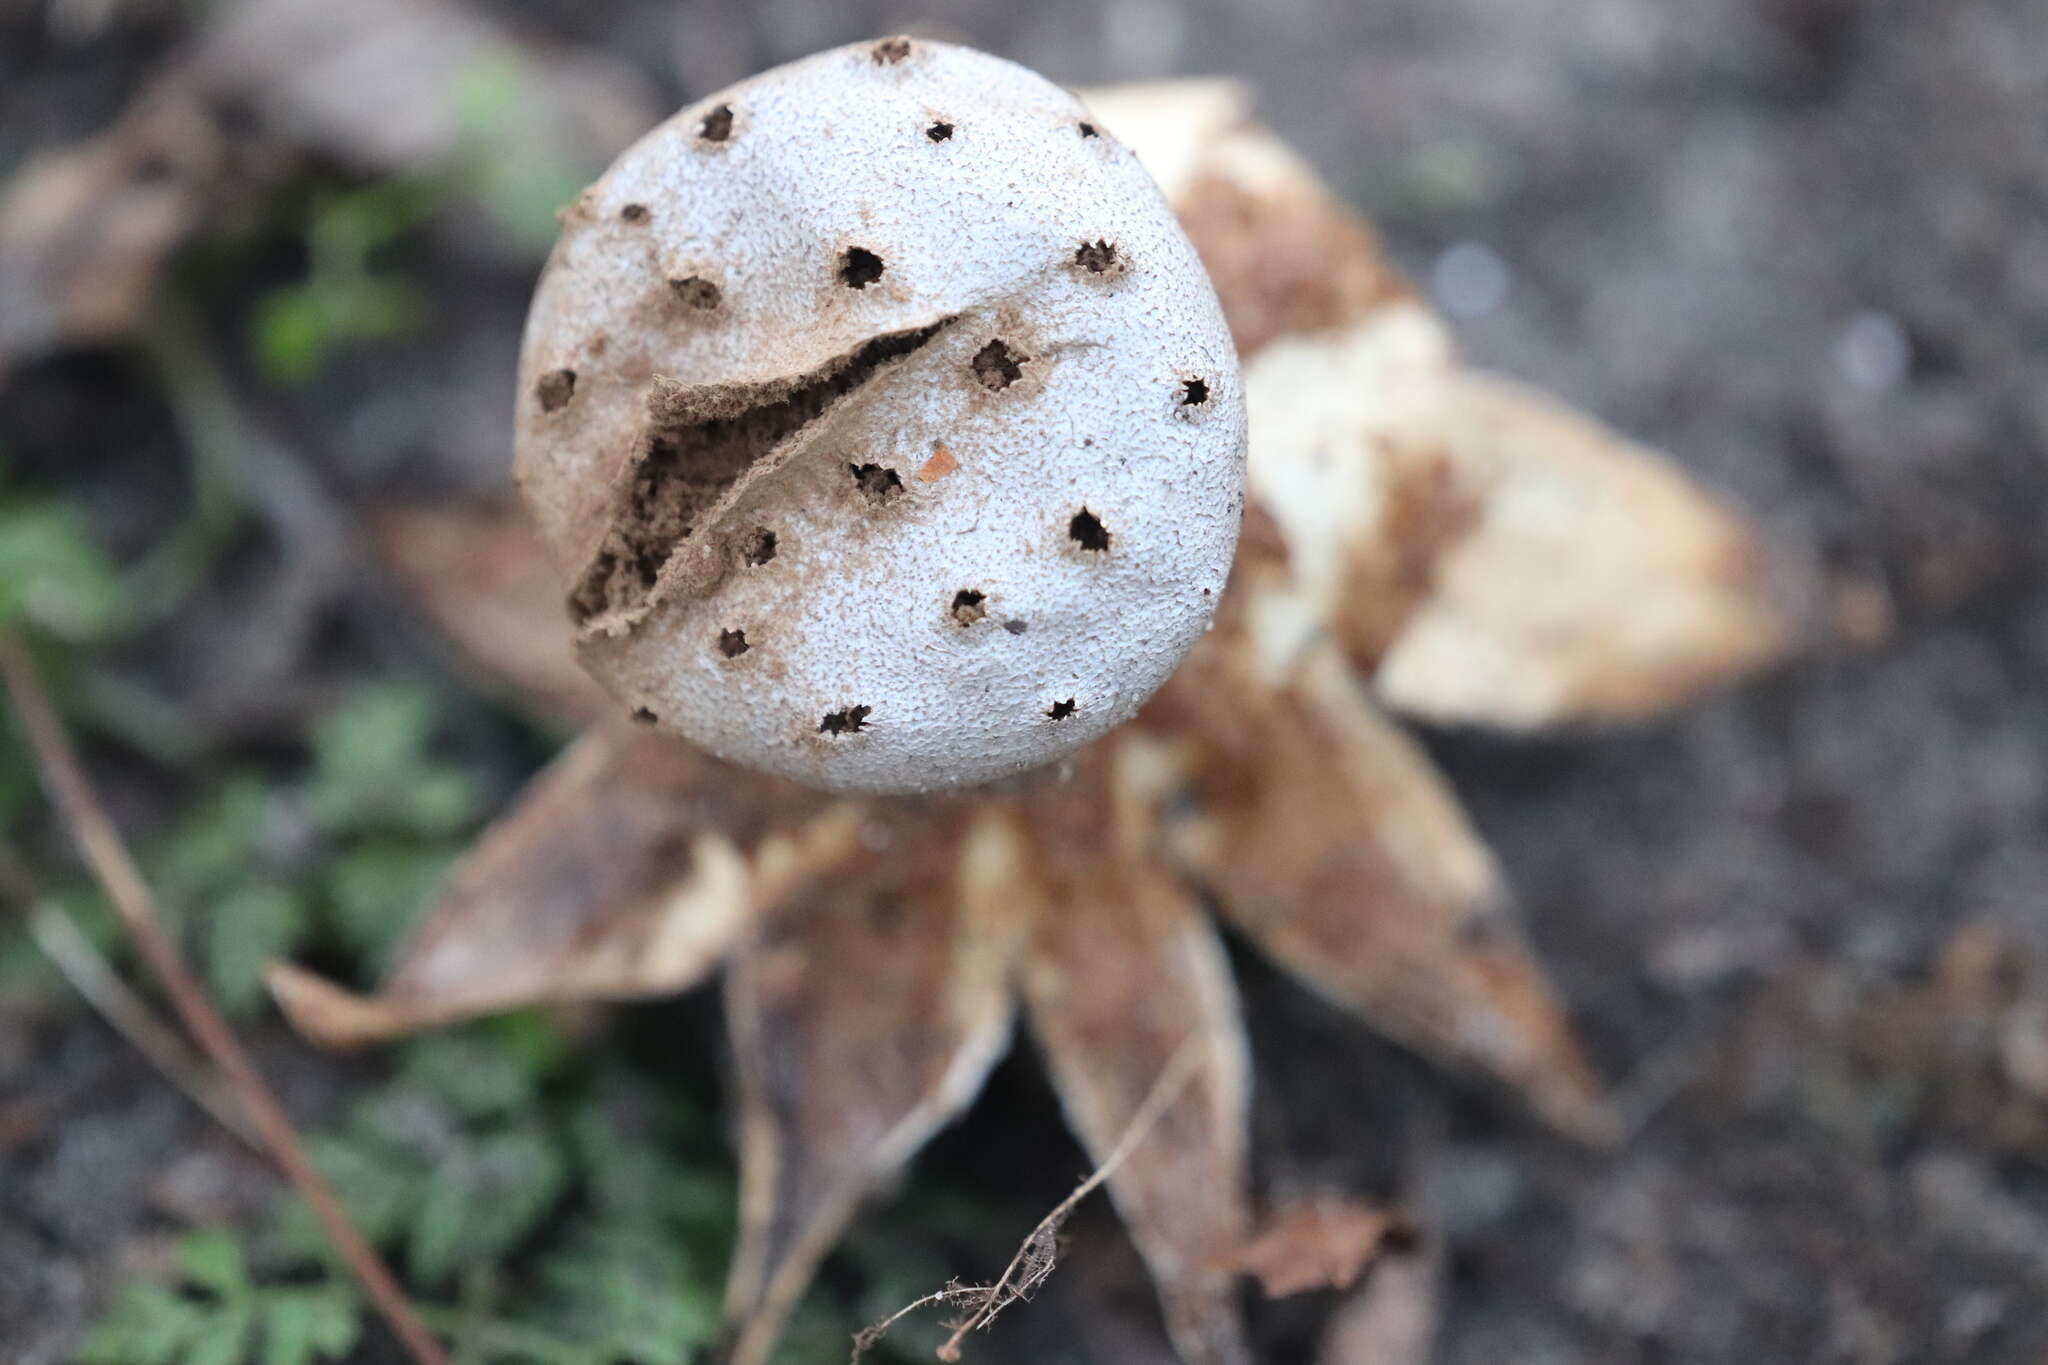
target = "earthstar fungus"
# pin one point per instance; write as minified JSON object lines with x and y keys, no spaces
{"x":1418,"y":538}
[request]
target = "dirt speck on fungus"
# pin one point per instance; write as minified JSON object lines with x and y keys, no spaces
{"x":554,"y":389}
{"x":1087,"y":531}
{"x":879,"y":482}
{"x":1097,"y":256}
{"x":859,"y":267}
{"x":697,"y":292}
{"x":996,"y":366}
{"x":852,"y":720}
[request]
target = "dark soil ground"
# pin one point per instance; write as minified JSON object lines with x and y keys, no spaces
{"x":1800,"y":244}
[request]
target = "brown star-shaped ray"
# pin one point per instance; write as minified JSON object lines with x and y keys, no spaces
{"x":1420,"y":538}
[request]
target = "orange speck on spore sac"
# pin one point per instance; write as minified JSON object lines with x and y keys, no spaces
{"x":938,"y":466}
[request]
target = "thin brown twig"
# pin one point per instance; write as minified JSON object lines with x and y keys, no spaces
{"x":79,"y":961}
{"x":1033,"y":1263}
{"x":74,"y":955}
{"x":86,"y":819}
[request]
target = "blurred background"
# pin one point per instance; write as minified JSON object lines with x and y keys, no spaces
{"x":279,"y":272}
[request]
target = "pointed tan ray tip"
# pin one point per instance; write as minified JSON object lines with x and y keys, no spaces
{"x":335,"y":1017}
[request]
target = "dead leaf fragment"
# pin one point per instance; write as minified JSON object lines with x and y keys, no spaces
{"x":405,"y":85}
{"x":385,"y":86}
{"x":85,"y":230}
{"x":1322,"y":1242}
{"x":1966,"y":1046}
{"x":480,"y":575}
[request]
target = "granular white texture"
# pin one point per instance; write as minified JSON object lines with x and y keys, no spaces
{"x":882,"y":422}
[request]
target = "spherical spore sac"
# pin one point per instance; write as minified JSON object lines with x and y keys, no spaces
{"x":882,"y":422}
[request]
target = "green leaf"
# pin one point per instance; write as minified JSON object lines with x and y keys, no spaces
{"x":531,"y":1038}
{"x":297,"y":327}
{"x":53,"y":573}
{"x":347,"y":225}
{"x":631,"y":1292}
{"x":487,"y":91}
{"x":434,"y":1244}
{"x":374,"y":890}
{"x":470,"y":1072}
{"x":637,"y":1177}
{"x":301,"y":1326}
{"x":377,"y":1188}
{"x":247,"y":929}
{"x":289,"y":334}
{"x":484,"y":1201}
{"x":212,"y":1260}
{"x":523,"y":194}
{"x":366,"y":749}
{"x":371,"y":768}
{"x":146,"y":1325}
{"x":215,"y":846}
{"x":443,"y":801}
{"x":226,"y":1338}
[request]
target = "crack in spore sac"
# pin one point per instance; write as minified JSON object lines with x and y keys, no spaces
{"x":689,"y":459}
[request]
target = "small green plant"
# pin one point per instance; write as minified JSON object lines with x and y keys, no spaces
{"x":217,"y":1314}
{"x":53,"y":574}
{"x":456,"y":1162}
{"x":261,"y":869}
{"x":344,"y":298}
{"x":538,"y":1225}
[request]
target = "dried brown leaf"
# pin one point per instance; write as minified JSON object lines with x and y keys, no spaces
{"x":405,"y":85}
{"x":1322,"y":1242}
{"x":85,"y":230}
{"x":622,"y":872}
{"x":1962,"y":1049}
{"x":387,"y":86}
{"x":478,"y":572}
{"x":864,"y":1016}
{"x":1124,"y":970}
